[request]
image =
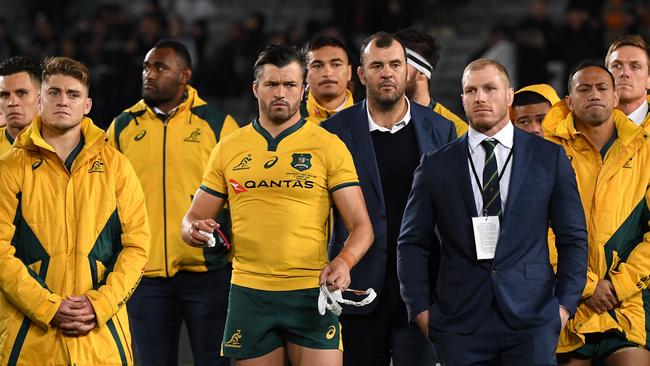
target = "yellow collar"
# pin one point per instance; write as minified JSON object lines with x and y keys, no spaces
{"x":315,"y":109}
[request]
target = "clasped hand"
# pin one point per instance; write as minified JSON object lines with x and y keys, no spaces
{"x":75,"y":317}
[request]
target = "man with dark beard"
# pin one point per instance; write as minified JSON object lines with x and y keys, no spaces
{"x":168,"y":136}
{"x":386,"y":134}
{"x":280,"y":175}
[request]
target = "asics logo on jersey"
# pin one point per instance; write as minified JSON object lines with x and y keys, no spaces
{"x":238,"y":188}
{"x":37,"y":163}
{"x":243,"y":164}
{"x":235,"y":340}
{"x":194,"y":136}
{"x":271,"y":162}
{"x":98,"y":167}
{"x":139,"y":136}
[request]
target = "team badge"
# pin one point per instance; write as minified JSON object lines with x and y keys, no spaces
{"x":243,"y":164}
{"x":194,"y":136}
{"x":301,"y":162}
{"x":235,"y":340}
{"x":97,"y":167}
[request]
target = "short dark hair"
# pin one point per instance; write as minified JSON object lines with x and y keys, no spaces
{"x":423,"y":43}
{"x":280,"y":56}
{"x":179,"y":48}
{"x":528,"y":98}
{"x":327,"y":41}
{"x":28,"y":64}
{"x":382,"y":40}
{"x":66,"y":66}
{"x":585,"y":64}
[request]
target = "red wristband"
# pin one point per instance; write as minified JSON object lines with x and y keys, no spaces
{"x":346,"y":257}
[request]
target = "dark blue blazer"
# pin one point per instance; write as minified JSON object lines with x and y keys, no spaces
{"x":351,"y":126}
{"x":520,"y":279}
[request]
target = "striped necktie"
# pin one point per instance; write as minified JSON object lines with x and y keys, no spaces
{"x":491,"y":193}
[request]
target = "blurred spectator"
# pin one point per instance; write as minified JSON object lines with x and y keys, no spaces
{"x":579,"y":38}
{"x":532,"y":37}
{"x":43,"y":42}
{"x":8,"y":46}
{"x":498,"y":46}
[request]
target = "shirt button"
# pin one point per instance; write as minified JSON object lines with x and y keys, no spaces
{"x":494,"y":271}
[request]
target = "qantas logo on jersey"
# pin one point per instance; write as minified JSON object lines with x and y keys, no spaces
{"x":279,"y":183}
{"x":238,"y":188}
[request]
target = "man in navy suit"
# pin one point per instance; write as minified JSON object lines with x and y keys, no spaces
{"x":387,"y":135}
{"x":494,"y":298}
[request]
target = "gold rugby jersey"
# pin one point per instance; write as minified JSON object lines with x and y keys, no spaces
{"x":278,"y":190}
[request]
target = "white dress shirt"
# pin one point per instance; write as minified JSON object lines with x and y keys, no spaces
{"x":477,"y":153}
{"x":639,"y":114}
{"x":372,"y":125}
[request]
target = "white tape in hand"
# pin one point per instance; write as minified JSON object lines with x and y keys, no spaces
{"x":211,"y":240}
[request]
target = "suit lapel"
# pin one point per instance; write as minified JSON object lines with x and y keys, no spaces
{"x":522,"y":153}
{"x":458,"y":164}
{"x":365,"y":150}
{"x":423,"y":133}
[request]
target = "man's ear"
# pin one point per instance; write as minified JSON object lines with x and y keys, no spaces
{"x":186,"y":75}
{"x":88,"y":106}
{"x":361,"y":75}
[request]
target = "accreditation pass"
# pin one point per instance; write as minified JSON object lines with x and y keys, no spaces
{"x":486,"y":236}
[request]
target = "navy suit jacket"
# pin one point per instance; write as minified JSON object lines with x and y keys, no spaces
{"x":520,"y":279}
{"x":351,"y":126}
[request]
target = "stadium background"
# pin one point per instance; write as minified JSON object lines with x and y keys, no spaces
{"x":537,"y":40}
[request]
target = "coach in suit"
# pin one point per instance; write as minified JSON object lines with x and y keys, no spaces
{"x":387,"y":136}
{"x":485,"y":202}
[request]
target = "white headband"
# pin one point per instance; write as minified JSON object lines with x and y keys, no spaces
{"x":419,"y":63}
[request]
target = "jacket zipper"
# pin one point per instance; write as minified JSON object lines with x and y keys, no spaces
{"x":164,"y":182}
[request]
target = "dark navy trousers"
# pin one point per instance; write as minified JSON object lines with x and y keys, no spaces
{"x":160,"y":305}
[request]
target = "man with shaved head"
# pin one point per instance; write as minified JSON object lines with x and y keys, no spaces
{"x":481,"y":206}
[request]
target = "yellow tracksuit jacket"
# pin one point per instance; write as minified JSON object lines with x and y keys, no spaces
{"x":313,"y":112}
{"x":461,"y":126}
{"x":68,"y":233}
{"x":169,"y":156}
{"x":5,"y":140}
{"x":616,"y":199}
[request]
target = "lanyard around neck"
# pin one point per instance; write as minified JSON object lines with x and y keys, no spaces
{"x":471,"y":163}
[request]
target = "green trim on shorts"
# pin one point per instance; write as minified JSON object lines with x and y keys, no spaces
{"x":260,"y":321}
{"x":601,"y":345}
